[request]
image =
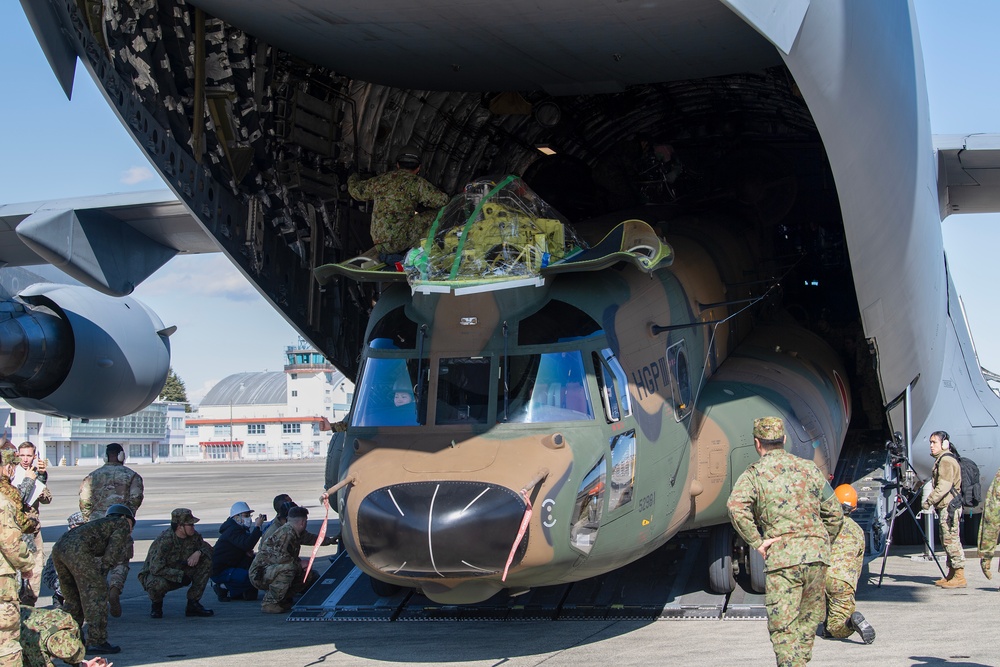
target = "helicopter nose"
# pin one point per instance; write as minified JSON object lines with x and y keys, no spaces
{"x":441,"y":529}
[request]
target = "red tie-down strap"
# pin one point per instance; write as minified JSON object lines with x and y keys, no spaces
{"x":319,"y":538}
{"x":520,"y":533}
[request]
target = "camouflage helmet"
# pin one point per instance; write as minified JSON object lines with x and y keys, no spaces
{"x":768,"y":429}
{"x":10,"y":457}
{"x":183,"y":515}
{"x":66,"y":645}
{"x":120,"y":510}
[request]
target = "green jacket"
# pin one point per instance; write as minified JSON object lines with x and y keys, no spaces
{"x":785,"y":496}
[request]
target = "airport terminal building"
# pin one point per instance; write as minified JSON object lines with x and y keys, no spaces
{"x":246,"y":416}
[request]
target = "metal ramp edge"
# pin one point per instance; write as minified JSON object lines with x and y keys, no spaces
{"x":668,"y":584}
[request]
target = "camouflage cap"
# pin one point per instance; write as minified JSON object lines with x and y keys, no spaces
{"x":66,"y":645}
{"x":183,"y":515}
{"x":768,"y":428}
{"x":10,"y":457}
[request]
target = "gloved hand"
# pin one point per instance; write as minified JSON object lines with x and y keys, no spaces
{"x":985,"y":563}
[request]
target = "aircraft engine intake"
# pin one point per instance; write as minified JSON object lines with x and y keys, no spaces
{"x":441,"y":529}
{"x":69,"y":351}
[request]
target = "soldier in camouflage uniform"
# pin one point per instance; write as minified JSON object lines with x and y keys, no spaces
{"x":49,"y":576}
{"x":15,"y":559}
{"x":396,"y":226}
{"x":989,"y":528}
{"x":784,"y":508}
{"x":82,"y":558}
{"x":178,"y":557}
{"x":111,"y":484}
{"x":277,"y":569}
{"x":47,"y":634}
{"x":34,"y":471}
{"x":847,"y":556}
{"x":947,"y":479}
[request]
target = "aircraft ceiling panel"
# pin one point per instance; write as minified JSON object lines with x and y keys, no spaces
{"x":561,"y":46}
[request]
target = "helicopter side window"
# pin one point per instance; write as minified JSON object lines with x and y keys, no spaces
{"x":548,"y":387}
{"x":680,"y":380}
{"x":589,"y":508}
{"x":614,"y":386}
{"x":622,"y":470}
{"x":463,"y":390}
{"x":387,"y":394}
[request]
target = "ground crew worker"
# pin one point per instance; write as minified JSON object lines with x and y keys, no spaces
{"x":396,"y":226}
{"x":783,"y":507}
{"x":111,"y":484}
{"x":32,"y":471}
{"x":15,"y":559}
{"x":82,"y":558}
{"x":947,"y":479}
{"x":178,"y":557}
{"x":847,"y":556}
{"x":277,"y":569}
{"x":989,"y":528}
{"x":47,"y":634}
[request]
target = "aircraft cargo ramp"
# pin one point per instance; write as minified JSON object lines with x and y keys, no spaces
{"x":670,"y":583}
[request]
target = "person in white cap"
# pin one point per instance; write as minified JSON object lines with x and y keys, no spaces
{"x":233,"y":554}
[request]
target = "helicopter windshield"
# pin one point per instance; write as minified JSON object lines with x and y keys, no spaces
{"x":546,"y":388}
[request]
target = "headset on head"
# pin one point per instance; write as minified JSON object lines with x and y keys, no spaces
{"x":120,"y":457}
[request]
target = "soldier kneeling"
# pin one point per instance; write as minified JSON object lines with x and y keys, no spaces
{"x":178,"y":557}
{"x":277,"y":568}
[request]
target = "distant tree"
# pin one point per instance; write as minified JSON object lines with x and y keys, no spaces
{"x":173,"y":390}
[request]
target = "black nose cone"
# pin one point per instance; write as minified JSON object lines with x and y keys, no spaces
{"x":441,"y":529}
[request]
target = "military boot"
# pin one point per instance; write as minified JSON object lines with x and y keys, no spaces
{"x":114,"y":601}
{"x":194,"y":608}
{"x":947,"y":577}
{"x":958,"y":581}
{"x":862,"y":627}
{"x":156,"y":611}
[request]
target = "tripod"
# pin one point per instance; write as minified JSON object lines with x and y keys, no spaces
{"x":901,"y":500}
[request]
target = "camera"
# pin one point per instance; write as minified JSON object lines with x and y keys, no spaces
{"x":895,"y":446}
{"x":263,"y":517}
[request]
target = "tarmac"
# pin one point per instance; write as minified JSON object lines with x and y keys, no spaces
{"x":916,"y":623}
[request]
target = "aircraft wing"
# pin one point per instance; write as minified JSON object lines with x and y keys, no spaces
{"x":110,"y":243}
{"x":968,"y":173}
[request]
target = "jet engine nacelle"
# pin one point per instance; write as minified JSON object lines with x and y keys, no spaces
{"x":70,"y":351}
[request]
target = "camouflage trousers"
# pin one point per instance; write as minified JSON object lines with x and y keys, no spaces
{"x":280,"y":581}
{"x":795,"y":604}
{"x":10,"y":622}
{"x":950,"y":539}
{"x":47,"y":634}
{"x":158,"y":587}
{"x":85,"y":593}
{"x":32,"y":587}
{"x":839,"y":607}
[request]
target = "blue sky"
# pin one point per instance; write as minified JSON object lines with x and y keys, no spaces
{"x":53,"y":148}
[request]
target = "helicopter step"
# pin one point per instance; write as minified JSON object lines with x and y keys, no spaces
{"x":670,"y":583}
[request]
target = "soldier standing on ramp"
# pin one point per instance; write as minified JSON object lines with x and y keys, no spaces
{"x":111,"y":484}
{"x":15,"y":558}
{"x":787,"y":499}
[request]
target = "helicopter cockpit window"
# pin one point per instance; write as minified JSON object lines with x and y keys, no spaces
{"x":614,"y":385}
{"x":395,"y":326}
{"x":389,"y":395}
{"x":589,"y":507}
{"x":557,"y":321}
{"x":549,"y":387}
{"x":463,"y":390}
{"x":680,"y":380}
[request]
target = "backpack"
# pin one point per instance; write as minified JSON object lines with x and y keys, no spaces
{"x":972,"y":488}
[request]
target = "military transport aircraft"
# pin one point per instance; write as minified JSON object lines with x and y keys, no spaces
{"x":723,"y":210}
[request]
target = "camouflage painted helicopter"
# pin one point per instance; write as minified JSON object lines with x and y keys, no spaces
{"x":531,"y":411}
